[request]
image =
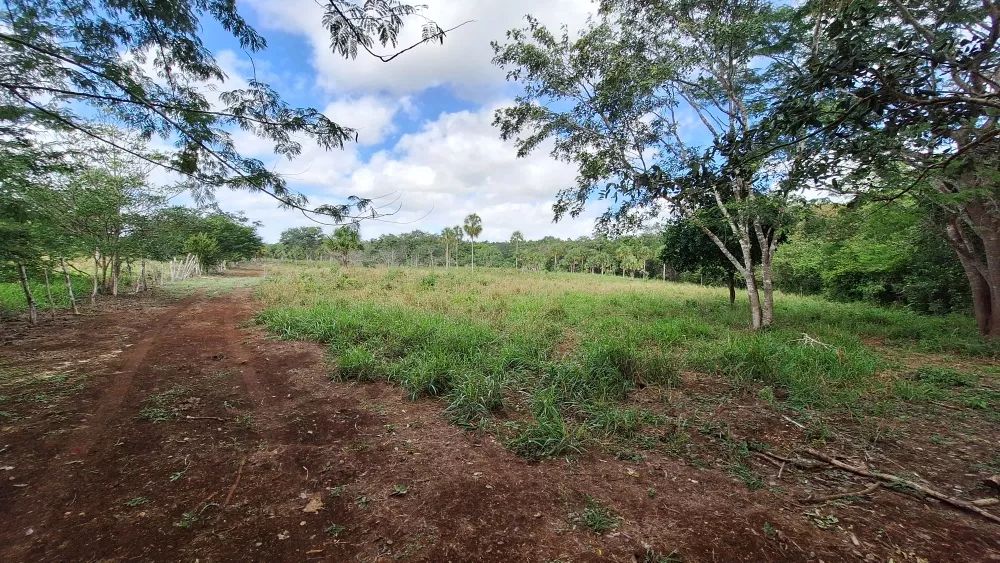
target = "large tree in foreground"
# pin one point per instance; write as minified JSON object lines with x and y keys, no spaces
{"x":905,"y":95}
{"x":142,"y":64}
{"x":655,"y":103}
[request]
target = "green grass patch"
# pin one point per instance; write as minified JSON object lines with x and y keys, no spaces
{"x":558,"y":356}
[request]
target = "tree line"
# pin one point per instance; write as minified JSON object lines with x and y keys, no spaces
{"x":841,"y":251}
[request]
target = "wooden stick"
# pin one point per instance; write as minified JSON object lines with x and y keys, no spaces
{"x":798,"y":462}
{"x":799,"y":424}
{"x":866,"y":491}
{"x":239,"y":473}
{"x":204,"y":418}
{"x":892,"y":479}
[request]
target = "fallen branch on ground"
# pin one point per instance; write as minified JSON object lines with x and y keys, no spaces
{"x":799,"y":424}
{"x":204,"y":418}
{"x":796,"y":461}
{"x":239,"y":473}
{"x":867,"y":491}
{"x":892,"y":479}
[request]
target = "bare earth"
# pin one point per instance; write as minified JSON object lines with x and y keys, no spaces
{"x":269,"y":460}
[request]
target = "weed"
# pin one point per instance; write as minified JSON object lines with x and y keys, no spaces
{"x":399,"y":490}
{"x":651,"y":492}
{"x":338,"y":490}
{"x":246,"y":421}
{"x":187,"y":520}
{"x":820,"y":521}
{"x":334,"y":530}
{"x":946,"y":377}
{"x":769,"y":530}
{"x":362,"y":501}
{"x":597,"y":516}
{"x":137,"y":501}
{"x":162,"y":407}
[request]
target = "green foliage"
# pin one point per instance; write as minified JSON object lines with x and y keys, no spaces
{"x":889,"y":257}
{"x":205,"y":247}
{"x":60,"y":54}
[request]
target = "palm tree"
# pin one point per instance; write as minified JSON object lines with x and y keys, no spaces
{"x":343,"y":241}
{"x":517,"y":238}
{"x":473,"y":227}
{"x":457,"y":231}
{"x":449,"y":238}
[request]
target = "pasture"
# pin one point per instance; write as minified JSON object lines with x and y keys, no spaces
{"x":305,"y":411}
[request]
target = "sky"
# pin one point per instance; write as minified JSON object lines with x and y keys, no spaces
{"x":424,"y":121}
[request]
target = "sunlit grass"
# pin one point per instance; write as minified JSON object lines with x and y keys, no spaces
{"x":559,"y":354}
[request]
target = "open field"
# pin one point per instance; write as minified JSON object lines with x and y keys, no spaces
{"x":372,"y":414}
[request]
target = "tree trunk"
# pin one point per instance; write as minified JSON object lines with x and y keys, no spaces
{"x":731,"y":278}
{"x":765,"y":274}
{"x":69,"y":286}
{"x":97,"y":267}
{"x":665,"y":271}
{"x":142,"y":274}
{"x":48,"y":291}
{"x":116,"y":270}
{"x":32,"y":309}
{"x":473,"y":255}
{"x":756,"y":316}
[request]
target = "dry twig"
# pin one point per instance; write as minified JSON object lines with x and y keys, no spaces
{"x":865,"y":492}
{"x":892,"y":479}
{"x":239,"y":473}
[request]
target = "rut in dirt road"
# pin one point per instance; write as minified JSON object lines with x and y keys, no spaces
{"x":112,"y":398}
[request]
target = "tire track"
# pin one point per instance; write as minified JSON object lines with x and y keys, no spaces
{"x":112,"y":398}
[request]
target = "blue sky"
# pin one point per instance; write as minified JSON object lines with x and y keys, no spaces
{"x":423,"y":120}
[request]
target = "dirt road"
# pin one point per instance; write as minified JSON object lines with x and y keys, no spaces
{"x":193,"y":438}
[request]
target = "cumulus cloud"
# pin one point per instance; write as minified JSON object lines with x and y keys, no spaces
{"x":453,"y":166}
{"x":462,"y":62}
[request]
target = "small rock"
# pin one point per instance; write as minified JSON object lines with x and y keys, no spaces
{"x":284,"y":535}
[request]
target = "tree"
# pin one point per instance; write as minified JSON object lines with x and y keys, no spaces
{"x":205,"y":248}
{"x":457,"y":231}
{"x":57,"y":55}
{"x":905,"y":99}
{"x":610,"y":102}
{"x":473,"y":227}
{"x":686,"y":248}
{"x":301,"y":242}
{"x":343,"y":241}
{"x":516,"y":238}
{"x":449,"y":238}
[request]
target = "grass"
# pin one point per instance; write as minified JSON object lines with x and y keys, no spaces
{"x":560,"y":354}
{"x":12,"y":298}
{"x":597,"y":516}
{"x":162,"y":407}
{"x":22,"y":390}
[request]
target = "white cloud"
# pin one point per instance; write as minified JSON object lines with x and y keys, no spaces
{"x":462,"y":62}
{"x":452,"y":166}
{"x":371,"y":116}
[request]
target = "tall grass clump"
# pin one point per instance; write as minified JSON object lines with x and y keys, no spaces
{"x":806,"y":376}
